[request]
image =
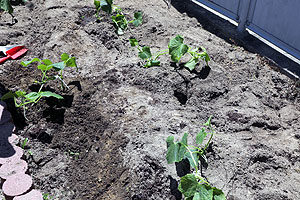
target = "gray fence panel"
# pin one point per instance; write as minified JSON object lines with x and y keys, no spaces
{"x":230,"y":5}
{"x":229,"y":8}
{"x":280,"y":19}
{"x":277,"y":21}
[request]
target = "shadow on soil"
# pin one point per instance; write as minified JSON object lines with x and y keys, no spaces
{"x":227,"y":31}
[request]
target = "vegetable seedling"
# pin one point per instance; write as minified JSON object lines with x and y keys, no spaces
{"x":6,"y":6}
{"x":21,"y":98}
{"x":105,"y":5}
{"x":71,"y":153}
{"x":194,"y":186}
{"x":145,"y":54}
{"x":46,"y":196}
{"x":46,"y":65}
{"x":24,"y":143}
{"x":177,"y":49}
{"x":119,"y":20}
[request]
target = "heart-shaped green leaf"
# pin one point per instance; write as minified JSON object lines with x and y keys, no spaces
{"x":177,"y":49}
{"x":188,"y":185}
{"x":191,"y":64}
{"x":106,"y":6}
{"x":64,"y":56}
{"x":138,"y":19}
{"x":145,"y":53}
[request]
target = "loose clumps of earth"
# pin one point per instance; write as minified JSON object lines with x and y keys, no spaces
{"x":107,"y":138}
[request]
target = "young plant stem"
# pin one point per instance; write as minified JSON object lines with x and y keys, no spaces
{"x":163,"y":52}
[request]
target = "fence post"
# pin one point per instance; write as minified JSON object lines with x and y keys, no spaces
{"x":243,"y":14}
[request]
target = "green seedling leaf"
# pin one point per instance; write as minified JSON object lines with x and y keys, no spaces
{"x":192,"y":155}
{"x":188,"y":185}
{"x":6,"y":6}
{"x":201,"y":136}
{"x":24,"y":143}
{"x":106,"y":6}
{"x":145,"y":53}
{"x":8,"y":95}
{"x":65,"y":56}
{"x":176,"y":48}
{"x":97,"y":4}
{"x":71,"y":62}
{"x":50,"y":94}
{"x":175,"y":151}
{"x":205,"y":192}
{"x":155,"y":63}
{"x":191,"y":64}
{"x":47,"y":62}
{"x":208,"y":123}
{"x":32,"y":96}
{"x":218,"y":194}
{"x":184,"y":139}
{"x":138,"y":19}
{"x":58,"y":66}
{"x":45,"y":67}
{"x":120,"y":23}
{"x":26,"y":63}
{"x":133,"y":42}
{"x":197,"y":196}
{"x":20,"y":93}
{"x":204,"y":56}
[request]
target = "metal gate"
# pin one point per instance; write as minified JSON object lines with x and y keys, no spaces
{"x":277,"y":21}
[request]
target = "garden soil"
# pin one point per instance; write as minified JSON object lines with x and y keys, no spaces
{"x":106,"y":138}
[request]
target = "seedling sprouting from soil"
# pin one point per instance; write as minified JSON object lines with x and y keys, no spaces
{"x":71,"y":153}
{"x":24,"y":143}
{"x":145,"y":54}
{"x":177,"y":49}
{"x":121,"y":23}
{"x":6,"y":6}
{"x":119,"y":19}
{"x":105,"y":5}
{"x":194,"y":186}
{"x":46,"y":65}
{"x":21,"y":98}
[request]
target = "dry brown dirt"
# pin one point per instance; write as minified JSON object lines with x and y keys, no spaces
{"x":117,"y":114}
